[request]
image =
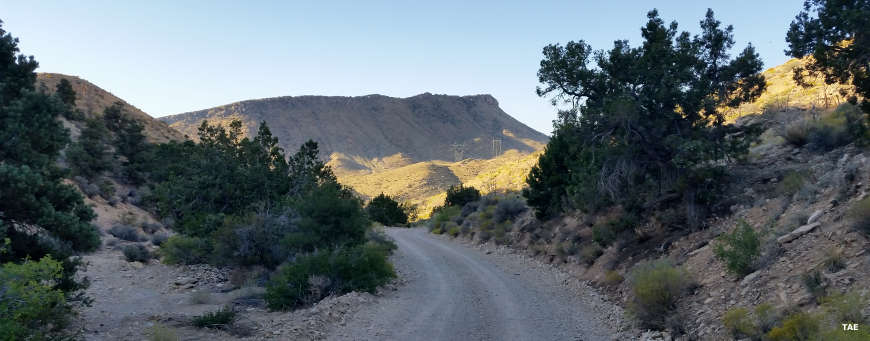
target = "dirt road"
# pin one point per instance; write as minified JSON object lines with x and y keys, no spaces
{"x":454,"y":292}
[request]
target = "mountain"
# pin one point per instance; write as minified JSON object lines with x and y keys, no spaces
{"x":92,"y":100}
{"x":378,"y":132}
{"x":403,"y":147}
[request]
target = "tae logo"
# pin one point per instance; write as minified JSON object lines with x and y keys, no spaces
{"x":850,"y":327}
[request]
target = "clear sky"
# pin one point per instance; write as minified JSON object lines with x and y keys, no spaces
{"x":168,"y":57}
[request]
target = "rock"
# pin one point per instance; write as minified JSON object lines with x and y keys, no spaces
{"x":815,"y":216}
{"x":698,"y":250}
{"x":746,"y":280}
{"x":797,"y":233}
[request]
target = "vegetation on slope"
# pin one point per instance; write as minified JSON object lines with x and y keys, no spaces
{"x":647,"y":127}
{"x":239,"y":201}
{"x":837,"y":35}
{"x":40,"y":216}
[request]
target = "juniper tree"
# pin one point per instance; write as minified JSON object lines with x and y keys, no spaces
{"x":646,"y":124}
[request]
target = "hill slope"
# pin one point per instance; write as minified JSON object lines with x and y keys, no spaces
{"x":377,"y":132}
{"x":92,"y":100}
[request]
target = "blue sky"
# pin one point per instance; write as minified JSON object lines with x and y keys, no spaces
{"x":168,"y":57}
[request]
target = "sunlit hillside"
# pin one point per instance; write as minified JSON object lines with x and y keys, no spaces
{"x":425,"y":183}
{"x":783,"y":93}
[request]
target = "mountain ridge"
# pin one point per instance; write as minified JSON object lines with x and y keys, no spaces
{"x":352,"y":130}
{"x":92,"y":100}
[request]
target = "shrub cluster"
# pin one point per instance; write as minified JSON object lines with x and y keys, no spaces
{"x":461,"y":195}
{"x":218,"y":319}
{"x":767,"y":323}
{"x":739,"y":249}
{"x":843,"y":126}
{"x":656,"y":287}
{"x":136,"y":253}
{"x":240,"y":202}
{"x":386,"y":211}
{"x":31,"y":307}
{"x":126,"y":232}
{"x":314,"y":276}
{"x":508,"y":209}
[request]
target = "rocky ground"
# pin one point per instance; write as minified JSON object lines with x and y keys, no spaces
{"x":131,"y":300}
{"x":459,"y":290}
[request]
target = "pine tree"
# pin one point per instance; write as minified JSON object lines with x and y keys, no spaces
{"x":837,"y":34}
{"x":66,"y":93}
{"x":39,"y":214}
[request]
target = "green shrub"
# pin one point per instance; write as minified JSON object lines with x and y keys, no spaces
{"x":590,"y":252}
{"x":799,"y":326}
{"x":358,"y":268}
{"x":499,"y":232}
{"x":835,"y":260}
{"x":612,"y":278}
{"x":137,"y":253}
{"x":329,"y":216}
{"x":381,"y":239}
{"x":815,"y":284}
{"x":509,"y":209}
{"x":739,"y":249}
{"x":180,"y":249}
{"x":461,"y":195}
{"x":767,"y":316}
{"x":107,"y":190}
{"x":218,"y":319}
{"x":90,"y":155}
{"x":739,"y":323}
{"x":607,"y":234}
{"x":843,"y":126}
{"x":452,"y":229}
{"x":125,"y":232}
{"x":791,"y":183}
{"x":442,"y":217}
{"x":258,"y":239}
{"x":387,"y":211}
{"x":656,"y":287}
{"x":859,"y":213}
{"x":846,"y":307}
{"x":31,"y":308}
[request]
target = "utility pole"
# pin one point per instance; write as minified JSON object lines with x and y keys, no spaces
{"x":496,"y":146}
{"x":458,"y":151}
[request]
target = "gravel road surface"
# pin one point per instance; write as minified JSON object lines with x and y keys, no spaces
{"x":456,"y":292}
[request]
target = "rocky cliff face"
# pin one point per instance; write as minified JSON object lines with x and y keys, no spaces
{"x":371,"y":132}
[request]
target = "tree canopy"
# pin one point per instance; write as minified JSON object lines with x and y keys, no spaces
{"x":836,"y":33}
{"x":39,"y":214}
{"x":386,"y":210}
{"x":645,"y":123}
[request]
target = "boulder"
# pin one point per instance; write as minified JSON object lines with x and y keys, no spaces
{"x":815,"y":216}
{"x":797,"y":233}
